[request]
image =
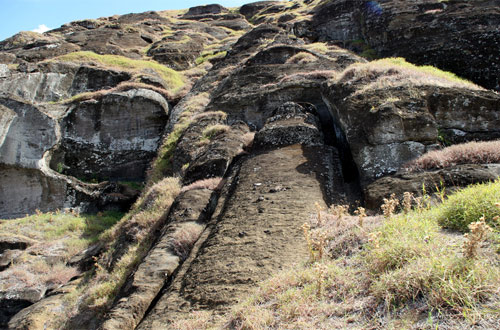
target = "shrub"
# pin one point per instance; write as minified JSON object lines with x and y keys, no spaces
{"x":466,"y":153}
{"x":469,"y":205}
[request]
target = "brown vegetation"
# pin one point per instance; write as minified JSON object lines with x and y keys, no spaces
{"x":467,"y":153}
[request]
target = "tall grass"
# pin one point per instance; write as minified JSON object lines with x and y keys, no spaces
{"x":397,"y":263}
{"x":469,"y":205}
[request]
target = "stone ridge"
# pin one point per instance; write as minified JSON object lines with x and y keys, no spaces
{"x":259,"y":111}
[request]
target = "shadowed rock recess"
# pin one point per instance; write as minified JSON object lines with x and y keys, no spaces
{"x":260,"y":111}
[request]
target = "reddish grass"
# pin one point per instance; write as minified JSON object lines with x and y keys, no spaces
{"x":467,"y":153}
{"x":212,"y":184}
{"x":183,"y":239}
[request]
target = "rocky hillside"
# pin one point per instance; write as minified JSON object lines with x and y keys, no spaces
{"x":220,"y":131}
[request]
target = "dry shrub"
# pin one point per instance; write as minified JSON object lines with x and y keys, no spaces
{"x":212,"y":184}
{"x":344,"y":233}
{"x":60,"y":274}
{"x":302,"y":58}
{"x":389,"y":206}
{"x":195,"y":320}
{"x":466,"y":153}
{"x":479,"y":230}
{"x":181,"y":241}
{"x":196,"y":103}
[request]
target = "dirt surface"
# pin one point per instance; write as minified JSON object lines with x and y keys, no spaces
{"x":257,"y":233}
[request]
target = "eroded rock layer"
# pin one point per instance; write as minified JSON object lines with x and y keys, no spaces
{"x":260,"y":112}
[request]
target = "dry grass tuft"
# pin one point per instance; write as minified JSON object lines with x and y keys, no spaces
{"x":132,"y":236}
{"x":212,"y":184}
{"x":124,"y":86}
{"x":302,"y":58}
{"x":466,"y":153}
{"x":173,"y":79}
{"x":379,"y":271}
{"x":181,"y":241}
{"x":394,"y":72}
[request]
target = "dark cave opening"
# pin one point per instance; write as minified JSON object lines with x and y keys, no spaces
{"x":334,"y":136}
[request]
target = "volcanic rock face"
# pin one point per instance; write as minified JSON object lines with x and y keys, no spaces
{"x":457,"y":36}
{"x":258,"y":122}
{"x":112,"y":138}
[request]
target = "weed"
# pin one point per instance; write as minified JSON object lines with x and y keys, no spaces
{"x":306,"y":229}
{"x":320,"y":270}
{"x":479,"y":230}
{"x":361,"y":213}
{"x":389,"y":206}
{"x":339,"y":211}
{"x":319,"y":209}
{"x":319,"y":241}
{"x":407,"y":201}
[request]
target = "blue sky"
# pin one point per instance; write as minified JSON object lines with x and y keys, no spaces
{"x":28,"y":15}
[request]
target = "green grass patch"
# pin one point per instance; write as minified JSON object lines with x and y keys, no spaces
{"x":55,"y":225}
{"x":431,"y":70}
{"x":406,"y":260}
{"x":163,"y":161}
{"x":174,"y":80}
{"x":470,"y":204}
{"x":210,"y":56}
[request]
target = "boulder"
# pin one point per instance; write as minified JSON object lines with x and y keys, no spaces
{"x":447,"y":180}
{"x":250,"y":9}
{"x":207,"y":9}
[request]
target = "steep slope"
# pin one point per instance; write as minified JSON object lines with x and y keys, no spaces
{"x":258,"y":113}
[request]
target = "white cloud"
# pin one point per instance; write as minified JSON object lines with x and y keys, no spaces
{"x":41,"y":28}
